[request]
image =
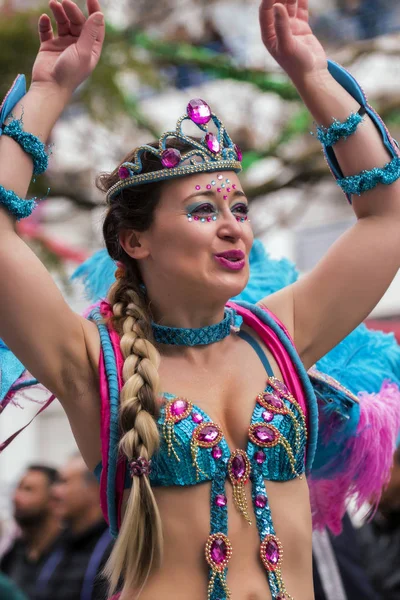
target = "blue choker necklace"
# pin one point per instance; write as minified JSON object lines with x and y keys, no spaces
{"x":198,"y":337}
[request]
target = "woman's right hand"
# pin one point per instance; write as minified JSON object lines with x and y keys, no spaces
{"x":65,"y":60}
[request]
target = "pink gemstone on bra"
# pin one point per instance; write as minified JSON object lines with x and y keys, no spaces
{"x":218,"y":551}
{"x":220,"y":500}
{"x":123,"y":173}
{"x":208,"y":434}
{"x":199,"y":111}
{"x":260,"y":457}
{"x":273,"y":400}
{"x":216,"y":452}
{"x":280,"y":386}
{"x":212,"y":142}
{"x":260,"y":501}
{"x":178,"y":407}
{"x":272,"y":552}
{"x":264,"y":434}
{"x":197,"y":418}
{"x":267,"y":416}
{"x":238,"y":466}
{"x":170,"y":158}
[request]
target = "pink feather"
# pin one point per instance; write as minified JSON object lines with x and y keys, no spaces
{"x":368,"y":472}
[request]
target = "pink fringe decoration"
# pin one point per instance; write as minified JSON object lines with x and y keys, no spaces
{"x":368,"y":472}
{"x":32,"y":394}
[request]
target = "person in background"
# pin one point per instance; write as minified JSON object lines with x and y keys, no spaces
{"x":40,"y":528}
{"x":337,"y":566}
{"x":380,"y":539}
{"x":73,"y":570}
{"x":8,"y":589}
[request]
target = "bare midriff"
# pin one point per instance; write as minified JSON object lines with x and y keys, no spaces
{"x":185,"y":513}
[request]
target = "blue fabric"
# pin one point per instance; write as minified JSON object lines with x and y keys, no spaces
{"x":165,"y":471}
{"x":11,"y":369}
{"x":20,"y":208}
{"x":16,"y":93}
{"x":347,"y":81}
{"x":201,"y":336}
{"x":339,"y":130}
{"x":368,"y":180}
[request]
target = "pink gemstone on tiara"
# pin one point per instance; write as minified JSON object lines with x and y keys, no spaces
{"x":170,"y":158}
{"x":239,"y":153}
{"x":212,"y":142}
{"x":124,"y":173}
{"x":199,"y":111}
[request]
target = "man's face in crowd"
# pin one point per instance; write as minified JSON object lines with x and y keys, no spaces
{"x":32,"y":498}
{"x":74,"y":492}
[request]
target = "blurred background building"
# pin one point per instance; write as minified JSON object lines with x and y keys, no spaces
{"x":158,"y":55}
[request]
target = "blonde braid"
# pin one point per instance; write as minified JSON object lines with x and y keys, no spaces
{"x":139,"y":544}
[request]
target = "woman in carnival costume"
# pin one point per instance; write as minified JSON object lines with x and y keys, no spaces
{"x":190,"y":407}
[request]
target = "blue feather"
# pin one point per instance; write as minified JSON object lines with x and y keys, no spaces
{"x":97,"y":274}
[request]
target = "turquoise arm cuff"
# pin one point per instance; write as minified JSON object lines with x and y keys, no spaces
{"x":347,"y":81}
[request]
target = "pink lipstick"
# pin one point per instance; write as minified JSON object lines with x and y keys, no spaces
{"x":235,"y":260}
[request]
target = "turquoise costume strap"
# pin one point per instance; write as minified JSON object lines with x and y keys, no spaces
{"x":259,"y":351}
{"x":110,"y":446}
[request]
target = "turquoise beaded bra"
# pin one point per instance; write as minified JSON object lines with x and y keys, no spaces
{"x":193,"y":450}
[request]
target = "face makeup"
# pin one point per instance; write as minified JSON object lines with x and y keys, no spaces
{"x":225,"y":188}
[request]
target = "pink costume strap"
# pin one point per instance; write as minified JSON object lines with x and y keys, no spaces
{"x":276,"y":348}
{"x":106,"y":311}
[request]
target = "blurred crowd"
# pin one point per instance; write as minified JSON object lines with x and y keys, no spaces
{"x":350,"y":20}
{"x":62,"y":543}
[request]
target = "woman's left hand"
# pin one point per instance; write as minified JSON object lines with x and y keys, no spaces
{"x":287,"y":36}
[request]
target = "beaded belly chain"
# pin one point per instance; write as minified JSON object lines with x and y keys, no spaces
{"x":275,"y":451}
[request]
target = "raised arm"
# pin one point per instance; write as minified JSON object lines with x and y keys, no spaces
{"x":35,"y":322}
{"x":339,"y":293}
